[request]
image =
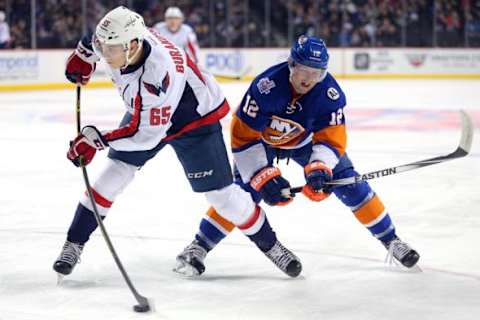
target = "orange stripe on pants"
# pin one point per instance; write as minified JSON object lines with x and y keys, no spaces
{"x":227,"y":225}
{"x":370,"y":210}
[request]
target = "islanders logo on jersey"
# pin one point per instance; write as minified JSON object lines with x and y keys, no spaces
{"x":283,"y":133}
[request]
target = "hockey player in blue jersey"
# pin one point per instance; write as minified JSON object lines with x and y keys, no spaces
{"x":295,"y":110}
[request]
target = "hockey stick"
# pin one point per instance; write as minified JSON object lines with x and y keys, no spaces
{"x":143,"y":303}
{"x":462,"y":150}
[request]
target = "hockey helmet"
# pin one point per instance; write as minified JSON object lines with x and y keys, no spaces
{"x":310,"y":51}
{"x":115,"y":32}
{"x":173,"y":12}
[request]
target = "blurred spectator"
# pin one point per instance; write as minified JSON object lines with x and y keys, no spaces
{"x":4,"y":32}
{"x":238,"y":23}
{"x":179,"y":33}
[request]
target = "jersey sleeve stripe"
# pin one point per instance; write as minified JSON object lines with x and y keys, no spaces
{"x":243,"y":136}
{"x":334,"y":136}
{"x":246,"y":146}
{"x":131,"y":128}
{"x":192,"y":50}
{"x":330,"y":147}
{"x":211,"y":117}
{"x":195,"y":69}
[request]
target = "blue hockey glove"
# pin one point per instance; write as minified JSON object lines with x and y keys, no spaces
{"x":275,"y":189}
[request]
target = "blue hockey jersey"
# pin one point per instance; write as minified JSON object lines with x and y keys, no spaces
{"x":271,"y":114}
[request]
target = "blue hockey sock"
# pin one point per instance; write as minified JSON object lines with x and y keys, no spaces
{"x":265,"y":238}
{"x":83,"y":225}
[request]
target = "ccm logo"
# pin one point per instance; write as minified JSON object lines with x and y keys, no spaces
{"x":198,"y":175}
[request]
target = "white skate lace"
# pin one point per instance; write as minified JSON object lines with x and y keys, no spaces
{"x":71,"y":253}
{"x":280,"y":255}
{"x":397,"y":249}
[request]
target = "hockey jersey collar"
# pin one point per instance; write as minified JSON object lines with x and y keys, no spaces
{"x":147,"y":48}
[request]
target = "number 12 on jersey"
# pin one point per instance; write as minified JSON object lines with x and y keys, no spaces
{"x":160,"y":116}
{"x":337,"y":117}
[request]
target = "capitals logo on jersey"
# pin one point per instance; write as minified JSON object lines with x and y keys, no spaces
{"x":159,"y":88}
{"x":283,"y":133}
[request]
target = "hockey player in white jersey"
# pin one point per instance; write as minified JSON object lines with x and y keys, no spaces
{"x":168,"y":101}
{"x":181,"y":34}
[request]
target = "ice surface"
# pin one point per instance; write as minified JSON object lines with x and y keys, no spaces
{"x":436,"y":209}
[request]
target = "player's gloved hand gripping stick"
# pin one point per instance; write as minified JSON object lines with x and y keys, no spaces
{"x":462,"y":150}
{"x":85,"y":145}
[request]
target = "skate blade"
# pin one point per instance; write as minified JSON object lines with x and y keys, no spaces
{"x":416,"y":269}
{"x":60,"y":279}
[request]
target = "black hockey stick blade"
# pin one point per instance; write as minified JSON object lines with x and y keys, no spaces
{"x":462,"y":150}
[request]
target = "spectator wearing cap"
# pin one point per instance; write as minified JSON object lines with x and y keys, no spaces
{"x":4,"y":32}
{"x":181,"y":34}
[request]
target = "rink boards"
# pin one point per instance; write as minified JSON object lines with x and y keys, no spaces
{"x":44,"y":69}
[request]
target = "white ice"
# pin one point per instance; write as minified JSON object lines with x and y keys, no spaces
{"x":435,"y":209}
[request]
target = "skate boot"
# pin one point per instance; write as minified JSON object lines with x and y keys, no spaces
{"x":68,"y":258}
{"x":190,"y":261}
{"x":284,"y":259}
{"x":402,"y":252}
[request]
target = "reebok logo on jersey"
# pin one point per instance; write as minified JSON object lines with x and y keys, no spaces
{"x":264,"y":85}
{"x":159,"y":88}
{"x":333,"y":94}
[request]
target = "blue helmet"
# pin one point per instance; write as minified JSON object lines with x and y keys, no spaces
{"x":310,"y":52}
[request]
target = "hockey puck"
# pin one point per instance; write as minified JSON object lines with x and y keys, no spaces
{"x":141,"y":308}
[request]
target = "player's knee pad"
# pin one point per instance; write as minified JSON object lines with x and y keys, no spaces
{"x":111,"y":182}
{"x":232,"y":202}
{"x":355,"y":194}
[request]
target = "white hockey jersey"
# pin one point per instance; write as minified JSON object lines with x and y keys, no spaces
{"x":166,"y":95}
{"x":184,"y":38}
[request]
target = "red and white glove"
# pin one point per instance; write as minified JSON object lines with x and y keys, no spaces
{"x":81,"y":63}
{"x":86,"y":145}
{"x":316,"y":174}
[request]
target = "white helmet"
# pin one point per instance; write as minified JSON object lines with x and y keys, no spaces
{"x":173,"y":12}
{"x":118,"y":28}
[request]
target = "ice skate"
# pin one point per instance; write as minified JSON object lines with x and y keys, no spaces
{"x":284,"y":259}
{"x":68,"y":258}
{"x":401,"y":252}
{"x":190,"y":261}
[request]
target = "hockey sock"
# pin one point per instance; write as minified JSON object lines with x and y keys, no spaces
{"x":213,"y":229}
{"x":83,"y":225}
{"x":258,"y":229}
{"x":373,"y":215}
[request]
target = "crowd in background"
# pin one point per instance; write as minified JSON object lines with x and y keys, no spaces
{"x":239,"y":23}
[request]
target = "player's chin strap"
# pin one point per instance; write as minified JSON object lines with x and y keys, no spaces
{"x":143,"y":303}
{"x":462,"y":150}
